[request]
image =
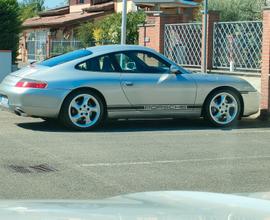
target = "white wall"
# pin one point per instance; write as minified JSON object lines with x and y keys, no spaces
{"x":78,"y":8}
{"x":5,"y":63}
{"x":130,"y":6}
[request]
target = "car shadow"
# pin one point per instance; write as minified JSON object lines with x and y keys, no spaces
{"x":141,"y":125}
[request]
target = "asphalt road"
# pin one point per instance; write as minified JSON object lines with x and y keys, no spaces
{"x":131,"y":156}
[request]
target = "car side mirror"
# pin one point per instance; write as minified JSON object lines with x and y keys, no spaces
{"x":175,"y":70}
{"x":131,"y":65}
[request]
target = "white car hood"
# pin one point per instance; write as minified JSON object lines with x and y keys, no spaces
{"x":140,"y":206}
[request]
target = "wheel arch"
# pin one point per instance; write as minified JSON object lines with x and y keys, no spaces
{"x":221,"y":88}
{"x":85,"y":89}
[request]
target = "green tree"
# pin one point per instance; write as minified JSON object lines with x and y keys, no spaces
{"x":10,"y":26}
{"x":30,"y":8}
{"x":237,"y":10}
{"x":108,"y":29}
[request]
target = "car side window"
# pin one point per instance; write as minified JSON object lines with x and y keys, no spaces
{"x":151,"y":61}
{"x":141,"y":62}
{"x":97,"y":64}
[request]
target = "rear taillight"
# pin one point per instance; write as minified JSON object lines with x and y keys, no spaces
{"x":31,"y":84}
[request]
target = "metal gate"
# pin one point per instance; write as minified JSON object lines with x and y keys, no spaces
{"x":237,"y":45}
{"x":183,"y":43}
{"x":36,"y":45}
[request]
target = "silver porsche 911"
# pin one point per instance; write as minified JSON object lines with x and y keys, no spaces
{"x":84,"y":87}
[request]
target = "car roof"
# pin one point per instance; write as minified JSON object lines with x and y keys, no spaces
{"x":116,"y":48}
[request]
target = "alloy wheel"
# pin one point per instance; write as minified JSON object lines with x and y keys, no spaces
{"x":84,"y":110}
{"x":223,"y":108}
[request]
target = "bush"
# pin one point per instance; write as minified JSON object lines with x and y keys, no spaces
{"x":108,"y":29}
{"x":84,"y":33}
{"x":10,"y":26}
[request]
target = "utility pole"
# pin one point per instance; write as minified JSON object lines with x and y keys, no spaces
{"x":205,"y":13}
{"x":124,"y":23}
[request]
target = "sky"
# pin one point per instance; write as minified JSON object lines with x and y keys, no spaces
{"x":51,"y":3}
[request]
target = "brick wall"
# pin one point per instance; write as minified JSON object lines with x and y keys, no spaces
{"x":151,"y":34}
{"x":212,"y":17}
{"x":265,"y":85}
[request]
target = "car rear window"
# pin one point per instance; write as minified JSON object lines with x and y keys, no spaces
{"x":65,"y":58}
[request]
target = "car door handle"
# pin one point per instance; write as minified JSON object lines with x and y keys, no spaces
{"x":128,"y":83}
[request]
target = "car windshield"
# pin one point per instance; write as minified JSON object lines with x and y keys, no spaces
{"x":65,"y":58}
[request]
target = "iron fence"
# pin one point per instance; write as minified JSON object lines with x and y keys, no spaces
{"x":38,"y":50}
{"x":63,"y":46}
{"x":237,"y":45}
{"x":183,"y":43}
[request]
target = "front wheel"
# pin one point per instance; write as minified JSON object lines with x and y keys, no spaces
{"x":222,"y":108}
{"x":83,"y":110}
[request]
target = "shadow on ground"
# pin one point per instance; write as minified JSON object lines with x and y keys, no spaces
{"x":147,"y":125}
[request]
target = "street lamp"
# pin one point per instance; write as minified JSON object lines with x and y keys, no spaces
{"x":205,"y":12}
{"x":124,"y":23}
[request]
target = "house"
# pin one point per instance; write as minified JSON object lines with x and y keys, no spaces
{"x":58,"y":25}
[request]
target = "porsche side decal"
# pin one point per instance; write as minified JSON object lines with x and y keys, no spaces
{"x":162,"y":107}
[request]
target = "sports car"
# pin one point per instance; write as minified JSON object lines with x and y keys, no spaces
{"x":84,"y":87}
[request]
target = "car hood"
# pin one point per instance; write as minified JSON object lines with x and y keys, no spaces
{"x":223,"y":80}
{"x":150,"y":205}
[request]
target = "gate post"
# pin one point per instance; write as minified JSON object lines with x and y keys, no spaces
{"x":48,"y":45}
{"x":265,"y":73}
{"x":151,"y":33}
{"x":212,"y":17}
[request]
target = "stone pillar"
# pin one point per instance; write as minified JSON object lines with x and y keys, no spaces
{"x":265,"y":74}
{"x":151,"y":33}
{"x":213,"y":16}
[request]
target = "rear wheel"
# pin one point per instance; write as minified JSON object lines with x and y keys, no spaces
{"x":83,"y":110}
{"x":222,"y":108}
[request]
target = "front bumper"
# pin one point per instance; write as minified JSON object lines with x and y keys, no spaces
{"x":33,"y":102}
{"x":251,"y":103}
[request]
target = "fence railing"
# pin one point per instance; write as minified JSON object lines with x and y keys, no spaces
{"x":237,"y":45}
{"x":183,"y":43}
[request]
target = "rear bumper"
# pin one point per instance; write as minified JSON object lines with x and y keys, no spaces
{"x":33,"y":102}
{"x":251,"y":103}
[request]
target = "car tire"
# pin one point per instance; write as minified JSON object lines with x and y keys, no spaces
{"x":222,"y":108}
{"x":83,"y":110}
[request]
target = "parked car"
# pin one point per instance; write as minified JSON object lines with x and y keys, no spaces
{"x":84,"y":87}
